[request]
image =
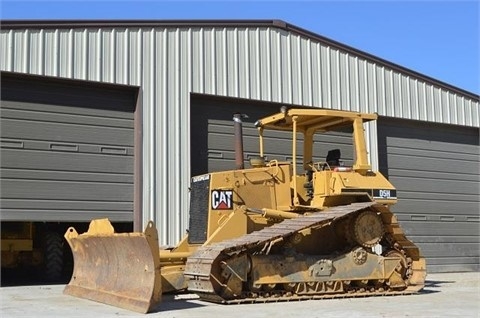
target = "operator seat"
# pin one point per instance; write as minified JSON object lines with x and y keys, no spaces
{"x":333,"y":158}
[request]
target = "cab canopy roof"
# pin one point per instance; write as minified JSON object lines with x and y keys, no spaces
{"x":312,"y":119}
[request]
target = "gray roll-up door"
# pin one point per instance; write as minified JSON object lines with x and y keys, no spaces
{"x":436,"y":171}
{"x":212,"y":135}
{"x":67,"y":150}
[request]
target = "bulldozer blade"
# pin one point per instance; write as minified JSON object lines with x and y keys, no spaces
{"x":119,"y":269}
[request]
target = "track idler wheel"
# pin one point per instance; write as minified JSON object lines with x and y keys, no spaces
{"x":402,"y":266}
{"x":399,"y":279}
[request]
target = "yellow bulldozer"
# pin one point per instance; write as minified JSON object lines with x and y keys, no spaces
{"x":276,"y":231}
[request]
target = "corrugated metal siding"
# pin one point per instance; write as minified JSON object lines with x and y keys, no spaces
{"x":264,"y":63}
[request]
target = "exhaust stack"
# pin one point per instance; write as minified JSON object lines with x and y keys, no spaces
{"x":237,"y":120}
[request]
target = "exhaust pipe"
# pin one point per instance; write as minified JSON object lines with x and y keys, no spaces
{"x":237,"y":124}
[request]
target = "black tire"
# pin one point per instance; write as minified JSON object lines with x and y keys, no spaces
{"x":53,"y":256}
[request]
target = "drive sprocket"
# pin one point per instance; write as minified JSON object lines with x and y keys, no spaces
{"x":368,"y":229}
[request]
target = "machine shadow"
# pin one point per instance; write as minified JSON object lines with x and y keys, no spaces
{"x":172,"y":302}
{"x":433,"y":286}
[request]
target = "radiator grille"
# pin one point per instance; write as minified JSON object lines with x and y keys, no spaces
{"x":199,"y":193}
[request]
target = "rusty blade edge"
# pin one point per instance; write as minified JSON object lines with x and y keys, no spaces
{"x":129,"y":303}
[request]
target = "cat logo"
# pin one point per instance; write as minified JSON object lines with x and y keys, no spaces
{"x":222,"y":199}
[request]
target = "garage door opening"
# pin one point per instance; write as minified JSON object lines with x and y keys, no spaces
{"x":69,"y":154}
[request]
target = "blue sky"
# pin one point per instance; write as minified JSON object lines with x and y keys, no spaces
{"x":437,"y":38}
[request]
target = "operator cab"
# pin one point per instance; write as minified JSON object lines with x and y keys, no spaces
{"x":326,"y":181}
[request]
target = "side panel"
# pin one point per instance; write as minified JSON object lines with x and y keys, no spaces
{"x":67,"y":150}
{"x":435,"y":170}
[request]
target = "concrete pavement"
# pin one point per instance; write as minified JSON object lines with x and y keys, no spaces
{"x":445,"y":295}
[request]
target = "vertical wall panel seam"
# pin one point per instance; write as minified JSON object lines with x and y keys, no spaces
{"x":175,"y":171}
{"x":309,"y":85}
{"x":151,"y":143}
{"x":409,"y":101}
{"x":396,"y":87}
{"x":157,"y":120}
{"x":438,"y":106}
{"x":325,"y":76}
{"x":11,"y":51}
{"x":461,"y":110}
{"x":447,"y":112}
{"x":74,"y":55}
{"x":318,"y":73}
{"x":179,"y":146}
{"x":417,"y":101}
{"x":126,"y":57}
{"x":368,"y":107}
{"x":279,"y":68}
{"x":225,"y":62}
{"x":356,"y":79}
{"x":70,"y":53}
{"x":258,"y":65}
{"x":56,"y":53}
{"x":372,"y":143}
{"x":152,"y":169}
{"x":140,"y":61}
{"x":329,"y":77}
{"x":26,"y":54}
{"x":213,"y":64}
{"x":432,"y":104}
{"x":294,"y":72}
{"x":449,"y":109}
{"x":163,"y":205}
{"x":347,"y":89}
{"x":332,"y":81}
{"x":41,"y":53}
{"x":424,"y":104}
{"x":185,"y":183}
{"x":442,"y":96}
{"x":300,"y":80}
{"x":468,"y":116}
{"x":289,"y":66}
{"x":455,"y":109}
{"x":401,"y":100}
{"x":382,"y":90}
{"x":113,"y":61}
{"x":161,"y":183}
{"x":238,"y":76}
{"x":338,"y":81}
{"x":85,"y":58}
{"x":201,"y":42}
{"x":374,"y":88}
{"x":100,"y":59}
{"x":390,"y":108}
{"x":236,"y":65}
{"x":268,"y":75}
{"x":190,"y":57}
{"x":476,"y":115}
{"x":247,"y":75}
{"x":304,"y":79}
{"x":67,"y":61}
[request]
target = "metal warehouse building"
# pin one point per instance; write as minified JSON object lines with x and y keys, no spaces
{"x":101,"y":118}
